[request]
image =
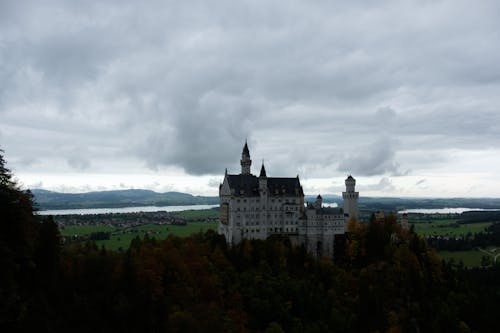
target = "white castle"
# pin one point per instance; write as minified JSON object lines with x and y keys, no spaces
{"x":254,"y":207}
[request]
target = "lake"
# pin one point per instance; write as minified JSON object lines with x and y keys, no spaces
{"x":92,"y":211}
{"x":137,"y":209}
{"x":444,"y":210}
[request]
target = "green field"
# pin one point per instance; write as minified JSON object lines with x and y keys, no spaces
{"x":191,"y":215}
{"x":472,"y":258}
{"x":431,"y":225}
{"x":448,"y":228}
{"x":122,"y":238}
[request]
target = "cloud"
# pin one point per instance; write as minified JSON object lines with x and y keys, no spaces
{"x":78,"y":163}
{"x":384,"y":185}
{"x":78,"y":159}
{"x":214,"y":182}
{"x":420,"y":182}
{"x":375,"y":159}
{"x":319,"y":89}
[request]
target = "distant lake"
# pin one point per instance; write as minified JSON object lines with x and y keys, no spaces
{"x":92,"y":211}
{"x":444,"y":210}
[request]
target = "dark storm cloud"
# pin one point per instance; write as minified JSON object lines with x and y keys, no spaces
{"x":317,"y":87}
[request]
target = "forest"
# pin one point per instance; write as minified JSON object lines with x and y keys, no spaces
{"x":383,"y":279}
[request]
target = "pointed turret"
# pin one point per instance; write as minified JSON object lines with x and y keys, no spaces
{"x":245,"y":162}
{"x":263,"y":171}
{"x":263,"y":180}
{"x":245,"y":152}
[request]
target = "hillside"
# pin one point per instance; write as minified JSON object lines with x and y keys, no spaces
{"x":113,"y":199}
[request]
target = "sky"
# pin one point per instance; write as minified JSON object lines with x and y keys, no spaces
{"x":161,"y":95}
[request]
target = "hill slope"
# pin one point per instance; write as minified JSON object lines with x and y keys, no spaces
{"x":121,"y":198}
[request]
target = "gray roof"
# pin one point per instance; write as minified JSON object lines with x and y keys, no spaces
{"x":330,"y":211}
{"x":248,"y":186}
{"x":244,"y":185}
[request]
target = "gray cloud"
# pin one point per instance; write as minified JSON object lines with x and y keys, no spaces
{"x":420,"y":182}
{"x":375,"y":159}
{"x":384,"y":185}
{"x":78,"y":162}
{"x":320,"y":89}
{"x":214,"y":182}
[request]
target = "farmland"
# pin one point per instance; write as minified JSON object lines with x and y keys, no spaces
{"x":455,"y":228}
{"x":120,"y":229}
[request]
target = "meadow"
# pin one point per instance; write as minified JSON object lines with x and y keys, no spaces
{"x":449,"y":228}
{"x":447,"y":225}
{"x":120,"y":238}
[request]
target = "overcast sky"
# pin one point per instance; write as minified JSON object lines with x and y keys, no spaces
{"x":405,"y":95}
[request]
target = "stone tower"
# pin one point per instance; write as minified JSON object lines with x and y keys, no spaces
{"x":350,"y":197}
{"x":245,"y":162}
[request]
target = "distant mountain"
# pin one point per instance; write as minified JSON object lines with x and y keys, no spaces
{"x":119,"y":198}
{"x":124,"y":198}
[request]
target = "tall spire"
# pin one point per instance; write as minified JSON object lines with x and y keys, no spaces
{"x":245,"y":162}
{"x":263,"y":171}
{"x":245,"y":152}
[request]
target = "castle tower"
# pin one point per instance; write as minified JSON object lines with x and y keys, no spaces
{"x":350,"y":197}
{"x":245,"y":162}
{"x":263,"y":181}
{"x":319,"y":202}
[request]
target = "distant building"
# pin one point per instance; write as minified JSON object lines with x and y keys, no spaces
{"x":254,"y":207}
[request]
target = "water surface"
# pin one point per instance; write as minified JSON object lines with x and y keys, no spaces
{"x":445,"y":210}
{"x":137,"y":209}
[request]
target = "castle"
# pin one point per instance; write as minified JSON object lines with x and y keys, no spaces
{"x":254,"y":207}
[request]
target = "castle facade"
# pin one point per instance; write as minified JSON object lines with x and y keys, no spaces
{"x":254,"y":207}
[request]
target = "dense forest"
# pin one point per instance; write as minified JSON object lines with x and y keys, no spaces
{"x":383,"y":279}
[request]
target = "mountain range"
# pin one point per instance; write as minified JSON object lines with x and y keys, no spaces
{"x":135,"y":197}
{"x":119,"y":198}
